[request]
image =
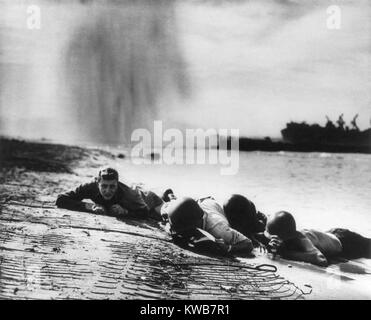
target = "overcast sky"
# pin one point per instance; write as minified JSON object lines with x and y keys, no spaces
{"x":252,"y":65}
{"x":256,"y":64}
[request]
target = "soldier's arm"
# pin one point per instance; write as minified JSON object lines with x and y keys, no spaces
{"x":72,"y":200}
{"x":305,"y":251}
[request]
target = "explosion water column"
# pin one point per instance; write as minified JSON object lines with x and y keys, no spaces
{"x":93,"y":72}
{"x":121,"y":64}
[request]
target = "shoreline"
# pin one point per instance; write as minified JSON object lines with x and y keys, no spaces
{"x":81,"y":255}
{"x":246,"y":144}
{"x":267,"y":144}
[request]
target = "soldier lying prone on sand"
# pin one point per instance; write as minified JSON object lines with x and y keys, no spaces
{"x":189,"y":218}
{"x":313,"y":246}
{"x":112,"y":197}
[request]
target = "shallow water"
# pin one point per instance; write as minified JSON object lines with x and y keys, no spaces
{"x":322,"y":190}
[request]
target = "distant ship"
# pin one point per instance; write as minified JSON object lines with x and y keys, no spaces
{"x":331,"y":137}
{"x":303,"y":137}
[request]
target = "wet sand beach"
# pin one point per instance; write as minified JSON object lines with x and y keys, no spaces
{"x":51,"y":253}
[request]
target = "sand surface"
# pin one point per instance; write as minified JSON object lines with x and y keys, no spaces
{"x":50,"y":253}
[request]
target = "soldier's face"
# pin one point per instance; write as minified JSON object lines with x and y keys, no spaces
{"x":107,"y":188}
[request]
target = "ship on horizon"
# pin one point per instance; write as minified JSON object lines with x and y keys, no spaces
{"x":332,"y":137}
{"x":304,"y":137}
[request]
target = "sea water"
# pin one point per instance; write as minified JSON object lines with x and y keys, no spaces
{"x":322,"y":190}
